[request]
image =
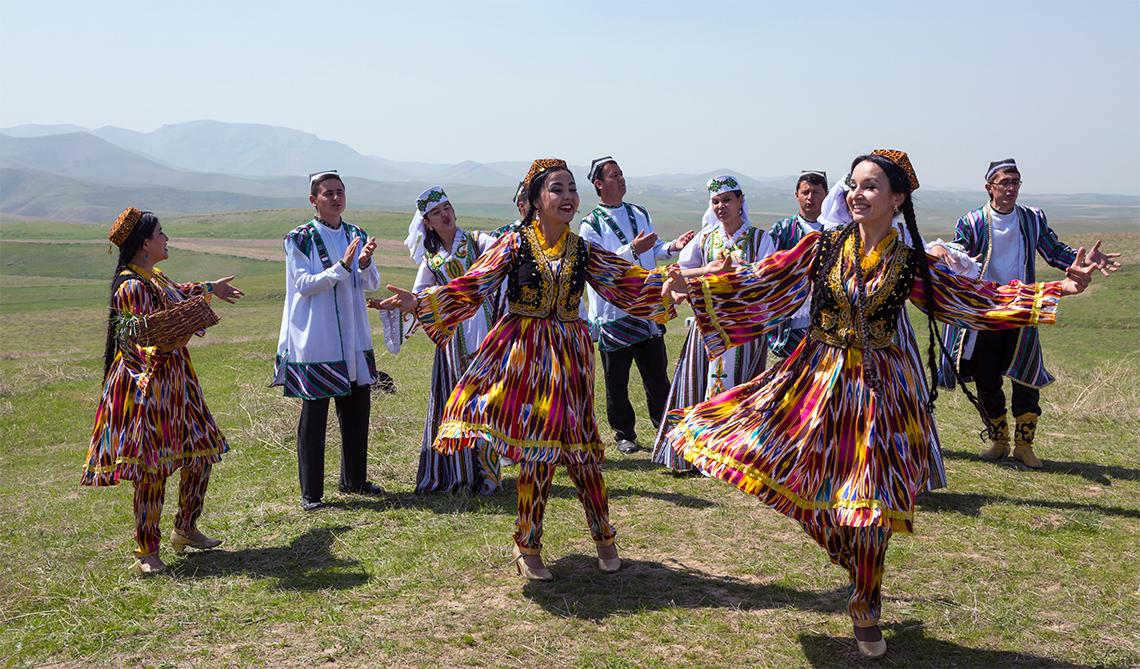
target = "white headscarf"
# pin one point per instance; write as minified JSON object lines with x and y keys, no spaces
{"x":835,"y":214}
{"x":428,"y":200}
{"x":716,"y":186}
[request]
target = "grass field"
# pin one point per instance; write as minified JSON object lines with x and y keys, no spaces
{"x":1007,"y":567}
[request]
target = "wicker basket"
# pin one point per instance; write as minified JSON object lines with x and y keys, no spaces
{"x":174,"y":324}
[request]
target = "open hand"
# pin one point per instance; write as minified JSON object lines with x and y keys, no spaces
{"x":1103,"y":261}
{"x":365,"y":258}
{"x":720,"y":265}
{"x":682,"y":241}
{"x":225,"y":291}
{"x":644,"y":241}
{"x":1078,"y":275}
{"x":350,"y":252}
{"x":404,"y":300}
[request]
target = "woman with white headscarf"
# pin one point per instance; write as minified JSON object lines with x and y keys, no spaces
{"x":445,"y":251}
{"x":725,"y":230}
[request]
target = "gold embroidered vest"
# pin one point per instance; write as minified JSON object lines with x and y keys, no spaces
{"x":533,"y":288}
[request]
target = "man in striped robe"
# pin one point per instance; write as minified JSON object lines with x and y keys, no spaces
{"x":1003,"y":237}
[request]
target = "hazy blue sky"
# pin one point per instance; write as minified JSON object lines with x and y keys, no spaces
{"x":763,"y":88}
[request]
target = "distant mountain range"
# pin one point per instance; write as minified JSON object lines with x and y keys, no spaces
{"x":67,"y":172}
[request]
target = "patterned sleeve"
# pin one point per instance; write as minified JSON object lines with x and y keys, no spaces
{"x":133,"y":298}
{"x":441,"y":308}
{"x":1053,"y":250}
{"x":631,"y":288}
{"x":984,"y":305}
{"x":963,"y":236}
{"x":736,"y":307}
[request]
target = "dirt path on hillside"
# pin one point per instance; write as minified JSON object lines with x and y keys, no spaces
{"x":390,"y":252}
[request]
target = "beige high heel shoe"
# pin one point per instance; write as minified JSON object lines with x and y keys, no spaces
{"x":608,"y":560}
{"x":194,"y":539}
{"x":872,"y":650}
{"x":525,"y":564}
{"x":149,"y":565}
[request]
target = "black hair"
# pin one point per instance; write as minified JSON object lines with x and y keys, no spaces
{"x":900,"y":183}
{"x":813,"y":179}
{"x":432,"y":241}
{"x":143,"y":231}
{"x":535,"y":189}
{"x":600,"y":174}
{"x":315,"y":185}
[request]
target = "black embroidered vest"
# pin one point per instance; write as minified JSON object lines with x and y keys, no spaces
{"x":834,"y":320}
{"x":533,"y":289}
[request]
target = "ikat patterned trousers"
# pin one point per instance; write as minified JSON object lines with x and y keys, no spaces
{"x":149,"y":496}
{"x":534,"y":483}
{"x":862,"y":551}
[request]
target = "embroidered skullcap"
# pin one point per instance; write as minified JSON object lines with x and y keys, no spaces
{"x":722,"y":184}
{"x":124,"y":225}
{"x":999,"y":165}
{"x":595,"y":172}
{"x":430,"y":199}
{"x":900,"y":159}
{"x":543,"y":165}
{"x":317,"y":176}
{"x":819,"y":173}
{"x":520,"y":192}
{"x":716,"y":186}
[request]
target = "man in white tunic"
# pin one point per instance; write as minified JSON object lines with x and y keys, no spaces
{"x":627,"y":230}
{"x":325,"y":346}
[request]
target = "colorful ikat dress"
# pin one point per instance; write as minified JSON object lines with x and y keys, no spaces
{"x":529,"y":391}
{"x":699,"y":376}
{"x":152,"y":417}
{"x":837,"y":434}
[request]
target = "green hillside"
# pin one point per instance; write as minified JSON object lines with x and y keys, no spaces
{"x":1006,"y":568}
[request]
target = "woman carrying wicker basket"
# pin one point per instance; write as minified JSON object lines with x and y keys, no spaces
{"x":152,"y":418}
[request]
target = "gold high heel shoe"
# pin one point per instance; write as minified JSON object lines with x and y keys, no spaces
{"x":196,"y":539}
{"x":608,"y":560}
{"x":149,"y":565}
{"x":537,"y":572}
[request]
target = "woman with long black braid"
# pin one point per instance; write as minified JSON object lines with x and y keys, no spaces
{"x":836,"y":436}
{"x":152,"y":417}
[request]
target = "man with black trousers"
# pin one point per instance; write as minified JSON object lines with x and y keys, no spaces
{"x":627,"y":230}
{"x":325,"y":345}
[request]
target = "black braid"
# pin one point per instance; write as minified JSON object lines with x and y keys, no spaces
{"x":142,"y":232}
{"x":907,"y":209}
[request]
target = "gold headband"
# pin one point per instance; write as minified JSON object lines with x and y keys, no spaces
{"x":900,"y":159}
{"x":124,"y":225}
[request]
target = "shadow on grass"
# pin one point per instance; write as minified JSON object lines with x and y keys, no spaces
{"x":1102,"y":474}
{"x":503,"y":501}
{"x":307,"y":563}
{"x":971,"y":503}
{"x":581,"y":591}
{"x":632,"y":463}
{"x":909,"y":646}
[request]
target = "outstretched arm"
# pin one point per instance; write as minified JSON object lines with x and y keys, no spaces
{"x":739,"y":305}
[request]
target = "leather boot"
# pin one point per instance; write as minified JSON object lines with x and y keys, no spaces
{"x":999,"y":443}
{"x":1023,"y":432}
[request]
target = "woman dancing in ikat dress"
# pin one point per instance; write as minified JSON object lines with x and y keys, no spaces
{"x":152,"y":418}
{"x":529,"y":392}
{"x":836,"y":435}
